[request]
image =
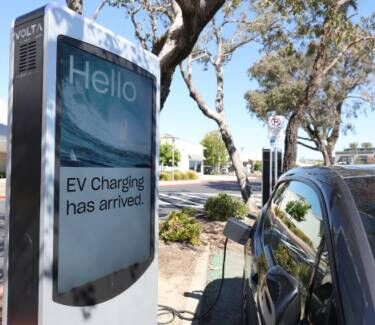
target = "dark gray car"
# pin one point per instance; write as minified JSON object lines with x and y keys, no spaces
{"x":310,"y":259}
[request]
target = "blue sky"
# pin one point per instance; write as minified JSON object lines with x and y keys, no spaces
{"x":180,"y":115}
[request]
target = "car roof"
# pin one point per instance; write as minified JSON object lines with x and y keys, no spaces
{"x":329,"y":174}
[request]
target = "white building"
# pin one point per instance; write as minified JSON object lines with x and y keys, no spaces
{"x":353,"y":156}
{"x":191,"y":153}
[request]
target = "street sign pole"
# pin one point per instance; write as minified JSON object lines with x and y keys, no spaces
{"x":275,"y":131}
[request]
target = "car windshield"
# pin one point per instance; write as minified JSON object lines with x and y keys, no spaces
{"x":363,"y":192}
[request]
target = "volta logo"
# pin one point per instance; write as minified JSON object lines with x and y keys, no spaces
{"x":28,"y":31}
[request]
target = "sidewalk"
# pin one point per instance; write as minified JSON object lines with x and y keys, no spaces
{"x":182,"y":277}
{"x":189,"y":277}
{"x":227,"y":310}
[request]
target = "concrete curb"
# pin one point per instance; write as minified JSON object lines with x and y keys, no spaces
{"x":182,"y":182}
{"x":207,"y":179}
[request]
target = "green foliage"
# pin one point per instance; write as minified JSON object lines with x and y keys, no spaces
{"x":292,"y":75}
{"x":353,"y":145}
{"x":166,"y":155}
{"x":165,"y":176}
{"x":215,"y":152}
{"x":224,"y":206}
{"x":299,"y":270}
{"x":258,"y":165}
{"x":292,"y":227}
{"x":181,"y":226}
{"x":191,"y":174}
{"x":178,"y":175}
{"x":366,"y":145}
{"x":297,"y":209}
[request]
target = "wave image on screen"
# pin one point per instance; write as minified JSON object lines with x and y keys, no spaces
{"x":103,"y":130}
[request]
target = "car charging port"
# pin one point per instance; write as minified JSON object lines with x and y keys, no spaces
{"x":237,"y":231}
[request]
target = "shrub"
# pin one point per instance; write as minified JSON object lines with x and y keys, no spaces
{"x":178,"y":175}
{"x":258,"y":166}
{"x":298,"y":209}
{"x":191,"y":174}
{"x":224,"y":206}
{"x":181,"y":226}
{"x":165,"y":176}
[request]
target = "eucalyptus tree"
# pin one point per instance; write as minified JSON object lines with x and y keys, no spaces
{"x":232,"y":28}
{"x":316,"y":36}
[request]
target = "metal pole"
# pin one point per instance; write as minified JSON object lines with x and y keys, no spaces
{"x":275,"y":173}
{"x":270,"y":187}
{"x":172,"y":159}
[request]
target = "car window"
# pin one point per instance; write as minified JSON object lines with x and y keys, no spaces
{"x":363,"y":192}
{"x":322,"y":303}
{"x":293,"y":230}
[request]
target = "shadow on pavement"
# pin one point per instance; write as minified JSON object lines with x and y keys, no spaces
{"x":227,"y":310}
{"x":224,"y":186}
{"x":232,"y":186}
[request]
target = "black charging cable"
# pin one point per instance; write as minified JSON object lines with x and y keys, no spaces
{"x":182,"y":314}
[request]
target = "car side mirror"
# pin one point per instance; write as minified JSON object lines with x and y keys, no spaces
{"x":237,"y":231}
{"x":279,"y":298}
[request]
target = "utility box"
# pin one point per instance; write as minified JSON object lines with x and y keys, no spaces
{"x":82,"y":170}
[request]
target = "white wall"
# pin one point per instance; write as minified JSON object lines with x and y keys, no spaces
{"x":187,"y":150}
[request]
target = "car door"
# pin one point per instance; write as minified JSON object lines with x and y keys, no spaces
{"x":288,"y":239}
{"x":321,"y":303}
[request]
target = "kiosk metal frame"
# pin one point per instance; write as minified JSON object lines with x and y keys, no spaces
{"x":125,"y":297}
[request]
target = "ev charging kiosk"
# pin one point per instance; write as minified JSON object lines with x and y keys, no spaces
{"x":82,"y":165}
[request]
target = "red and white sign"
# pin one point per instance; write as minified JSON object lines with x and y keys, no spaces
{"x":276,"y":127}
{"x":276,"y":122}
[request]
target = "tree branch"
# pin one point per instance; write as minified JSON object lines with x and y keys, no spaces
{"x":307,"y":146}
{"x":137,"y":27}
{"x":194,"y":93}
{"x":343,"y":52}
{"x":342,"y":3}
{"x":368,"y":100}
{"x":304,"y":138}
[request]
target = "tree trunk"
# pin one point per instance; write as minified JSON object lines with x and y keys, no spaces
{"x":236,"y":161}
{"x":326,"y":155}
{"x":290,"y":144}
{"x":332,"y":139}
{"x":76,"y":5}
{"x":330,"y":154}
{"x":180,"y":38}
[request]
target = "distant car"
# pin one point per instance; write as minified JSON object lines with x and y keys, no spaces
{"x":207,"y":170}
{"x":310,"y":256}
{"x":225,"y":170}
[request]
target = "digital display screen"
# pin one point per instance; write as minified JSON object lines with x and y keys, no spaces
{"x":105,"y":166}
